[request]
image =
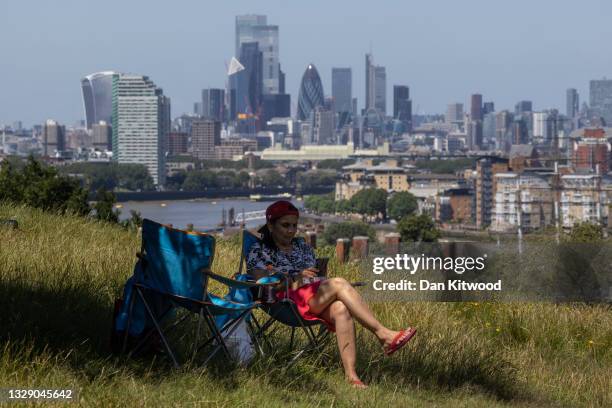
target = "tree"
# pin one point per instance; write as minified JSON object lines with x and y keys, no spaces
{"x":42,"y":187}
{"x":586,"y":232}
{"x":334,"y":164}
{"x":200,"y":180}
{"x":344,"y":207}
{"x":401,"y":204}
{"x":370,"y":201}
{"x":105,"y":206}
{"x":418,"y":228}
{"x":349,"y":230}
{"x":317,"y":178}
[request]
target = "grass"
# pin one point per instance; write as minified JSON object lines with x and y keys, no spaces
{"x":59,"y":277}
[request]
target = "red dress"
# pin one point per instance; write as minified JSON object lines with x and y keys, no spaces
{"x":301,"y":296}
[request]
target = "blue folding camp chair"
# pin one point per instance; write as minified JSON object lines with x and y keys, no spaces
{"x":283,"y":312}
{"x":173,"y":272}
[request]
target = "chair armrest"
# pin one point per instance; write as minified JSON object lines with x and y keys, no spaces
{"x":239,"y":284}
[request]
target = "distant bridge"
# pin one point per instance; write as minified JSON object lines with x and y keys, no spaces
{"x":250,"y":216}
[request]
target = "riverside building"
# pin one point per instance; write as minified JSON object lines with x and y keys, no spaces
{"x":140,"y":123}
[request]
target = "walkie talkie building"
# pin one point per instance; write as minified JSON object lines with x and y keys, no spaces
{"x":98,"y":97}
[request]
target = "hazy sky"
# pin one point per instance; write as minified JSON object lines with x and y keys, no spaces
{"x":443,"y":49}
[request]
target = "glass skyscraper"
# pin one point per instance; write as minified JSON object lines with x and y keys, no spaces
{"x":311,"y":93}
{"x":97,"y":97}
{"x":600,"y":98}
{"x":254,"y":28}
{"x":246,"y":83}
{"x":342,"y":89}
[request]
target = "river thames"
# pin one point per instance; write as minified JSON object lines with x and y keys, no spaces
{"x":204,"y":214}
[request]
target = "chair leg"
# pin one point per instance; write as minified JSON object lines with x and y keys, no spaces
{"x":197,"y":336}
{"x":161,"y":334}
{"x":292,"y":335}
{"x":129,"y":322}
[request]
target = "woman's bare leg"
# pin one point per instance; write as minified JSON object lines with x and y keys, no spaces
{"x":335,"y":289}
{"x":339,"y":315}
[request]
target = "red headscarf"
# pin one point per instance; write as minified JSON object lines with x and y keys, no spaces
{"x":280,"y":209}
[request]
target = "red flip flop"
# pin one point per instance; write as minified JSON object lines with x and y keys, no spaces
{"x":400,"y":340}
{"x":358,"y":384}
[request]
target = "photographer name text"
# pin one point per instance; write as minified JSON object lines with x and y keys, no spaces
{"x":425,"y":285}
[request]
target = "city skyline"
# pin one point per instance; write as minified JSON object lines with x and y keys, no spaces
{"x":522,"y":58}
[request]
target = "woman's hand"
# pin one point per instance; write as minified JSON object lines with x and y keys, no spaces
{"x":309,"y":273}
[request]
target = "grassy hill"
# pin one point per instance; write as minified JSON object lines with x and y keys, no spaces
{"x":60,"y":275}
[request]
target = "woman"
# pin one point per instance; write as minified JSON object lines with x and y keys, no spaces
{"x":333,"y":301}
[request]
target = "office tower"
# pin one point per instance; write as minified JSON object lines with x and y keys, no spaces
{"x":165,"y":120}
{"x":254,"y":28}
{"x":213,"y":104}
{"x":235,"y":67}
{"x":488,"y":128}
{"x":311,"y":93}
{"x":476,"y":107}
{"x":545,"y":126}
{"x":54,"y":138}
{"x":572,"y":103}
{"x":600,"y":98}
{"x":102,"y":136}
{"x":205,"y":135}
{"x":178,"y":143}
{"x":246,"y":81}
{"x":522,"y":107}
{"x":402,"y":105}
{"x":454,"y":113}
{"x":370,"y":81}
{"x":140,"y":119}
{"x":323,"y":126}
{"x":354,"y":107}
{"x":98,"y":97}
{"x":275,"y":106}
{"x":488,"y":107}
{"x":380,"y":89}
{"x":342,"y":89}
{"x":198,"y":109}
{"x":503,"y":131}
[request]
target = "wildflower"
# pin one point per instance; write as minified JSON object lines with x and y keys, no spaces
{"x":498,"y":329}
{"x":591,"y":342}
{"x":488,"y":324}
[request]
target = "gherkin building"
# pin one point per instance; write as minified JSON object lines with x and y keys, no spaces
{"x":311,"y":93}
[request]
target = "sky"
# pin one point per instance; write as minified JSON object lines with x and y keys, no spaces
{"x":444,"y":50}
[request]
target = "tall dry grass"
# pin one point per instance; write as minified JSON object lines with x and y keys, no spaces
{"x":59,"y":276}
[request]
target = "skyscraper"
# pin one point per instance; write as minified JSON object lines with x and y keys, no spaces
{"x":522,"y":107}
{"x":254,"y":28}
{"x":476,"y":107}
{"x":402,"y":105}
{"x":370,"y":81}
{"x":454,"y":113}
{"x":342,"y":89}
{"x":97,"y":97}
{"x":376,"y":86}
{"x":54,"y":138}
{"x":246,"y":82}
{"x":380,"y":89}
{"x":140,"y":114}
{"x":600,"y":98}
{"x":213,"y":104}
{"x":488,"y":107}
{"x":311,"y":93}
{"x":572,"y":103}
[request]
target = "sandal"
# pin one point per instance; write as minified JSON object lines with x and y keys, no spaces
{"x":358,"y":384}
{"x":400,"y":340}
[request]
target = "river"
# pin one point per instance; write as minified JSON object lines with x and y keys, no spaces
{"x":204,"y":214}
